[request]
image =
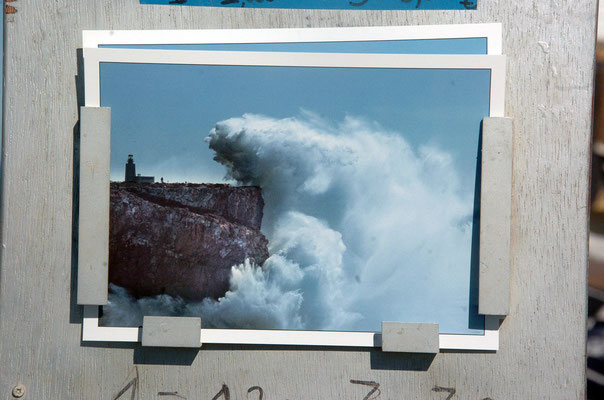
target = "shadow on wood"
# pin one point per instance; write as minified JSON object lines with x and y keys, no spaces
{"x":150,"y":355}
{"x":400,"y":361}
{"x":75,"y":311}
{"x":164,"y":355}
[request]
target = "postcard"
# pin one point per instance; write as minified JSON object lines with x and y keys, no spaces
{"x":296,"y":193}
{"x":420,"y":39}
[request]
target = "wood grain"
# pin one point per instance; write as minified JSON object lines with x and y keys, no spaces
{"x":495,"y":216}
{"x":550,"y":48}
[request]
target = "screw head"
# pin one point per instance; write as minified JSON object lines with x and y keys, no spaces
{"x":19,"y":391}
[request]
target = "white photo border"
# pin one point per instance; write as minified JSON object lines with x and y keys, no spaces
{"x":490,"y":31}
{"x":93,"y":332}
{"x":489,"y":341}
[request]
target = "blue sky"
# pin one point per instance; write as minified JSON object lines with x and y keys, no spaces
{"x":127,"y":138}
{"x":161,"y":113}
{"x":415,"y":46}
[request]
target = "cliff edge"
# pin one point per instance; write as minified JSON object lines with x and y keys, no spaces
{"x":182,"y":239}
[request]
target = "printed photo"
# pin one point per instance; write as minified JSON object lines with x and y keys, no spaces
{"x":313,"y":195}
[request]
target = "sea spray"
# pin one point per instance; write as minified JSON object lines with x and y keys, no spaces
{"x":361,"y":227}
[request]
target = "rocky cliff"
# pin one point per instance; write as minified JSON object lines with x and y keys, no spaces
{"x":182,"y":239}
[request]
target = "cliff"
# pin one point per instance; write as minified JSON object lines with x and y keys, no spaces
{"x":182,"y":239}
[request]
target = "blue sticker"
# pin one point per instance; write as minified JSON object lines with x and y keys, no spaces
{"x":330,"y":4}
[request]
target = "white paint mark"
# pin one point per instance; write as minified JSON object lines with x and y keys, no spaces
{"x":544,"y":46}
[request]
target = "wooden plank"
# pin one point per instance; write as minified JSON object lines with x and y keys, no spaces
{"x":93,"y":225}
{"x":495,"y":216}
{"x":549,"y":92}
{"x":171,"y":331}
{"x":409,"y":337}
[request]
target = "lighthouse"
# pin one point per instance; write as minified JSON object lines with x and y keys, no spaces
{"x":130,"y":169}
{"x":131,"y":173}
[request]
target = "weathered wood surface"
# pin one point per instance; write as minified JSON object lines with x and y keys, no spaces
{"x":550,"y":48}
{"x":495,"y":216}
{"x":93,"y":242}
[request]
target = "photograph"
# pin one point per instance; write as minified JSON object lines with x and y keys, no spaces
{"x":329,"y":193}
{"x":409,"y":39}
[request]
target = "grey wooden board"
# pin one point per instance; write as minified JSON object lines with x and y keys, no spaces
{"x":495,"y":216}
{"x":93,"y":263}
{"x":409,"y":337}
{"x":550,"y":49}
{"x":171,"y":331}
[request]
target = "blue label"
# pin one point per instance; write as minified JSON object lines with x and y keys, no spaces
{"x":330,"y":4}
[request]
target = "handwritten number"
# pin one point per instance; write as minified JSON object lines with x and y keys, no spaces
{"x":451,"y":391}
{"x":468,"y":4}
{"x":260,"y":391}
{"x":419,"y":2}
{"x":227,"y":2}
{"x":363,"y":2}
{"x":360,"y":3}
{"x":132,"y":384}
{"x":175,"y":394}
{"x":373,"y":384}
{"x":224,"y":391}
{"x":373,"y":394}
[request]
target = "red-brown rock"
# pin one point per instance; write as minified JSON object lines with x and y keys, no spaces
{"x":182,"y":239}
{"x":239,"y":204}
